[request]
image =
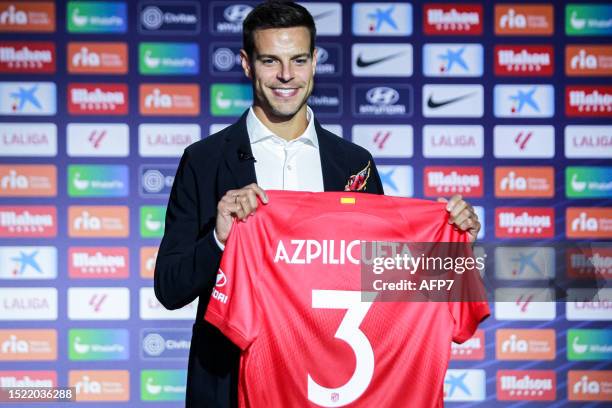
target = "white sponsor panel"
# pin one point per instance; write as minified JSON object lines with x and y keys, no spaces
{"x":386,"y":19}
{"x":524,"y":141}
{"x":99,"y":303}
{"x":382,"y":60}
{"x":18,"y":304}
{"x":163,"y":140}
{"x":453,"y":101}
{"x":588,"y":142}
{"x":589,"y":304}
{"x":28,"y":98}
{"x":480,"y":212}
{"x":217,"y":127}
{"x":28,"y":139}
{"x":524,"y":263}
{"x":453,"y":141}
{"x":452,"y":60}
{"x":335,"y":129}
{"x":397,"y":180}
{"x":464,"y":385}
{"x":28,"y":262}
{"x":525,"y":304}
{"x":385,"y":140}
{"x":98,"y":140}
{"x":151,"y":309}
{"x":524,"y":101}
{"x":327,"y":17}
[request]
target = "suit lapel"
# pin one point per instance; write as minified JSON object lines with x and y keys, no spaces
{"x":333,"y":160}
{"x":238,"y":155}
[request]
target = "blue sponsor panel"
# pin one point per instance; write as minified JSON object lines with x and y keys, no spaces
{"x":326,"y":100}
{"x":382,"y":101}
{"x":155,"y":180}
{"x":226,"y":17}
{"x":169,"y":17}
{"x":165,"y":344}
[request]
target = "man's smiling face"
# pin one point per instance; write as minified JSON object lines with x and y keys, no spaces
{"x":282,"y":70}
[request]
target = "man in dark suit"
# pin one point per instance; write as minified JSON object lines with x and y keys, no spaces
{"x":276,"y":144}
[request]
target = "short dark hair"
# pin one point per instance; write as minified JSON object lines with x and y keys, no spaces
{"x":276,"y":14}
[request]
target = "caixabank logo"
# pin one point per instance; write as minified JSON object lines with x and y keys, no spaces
{"x":453,"y":60}
{"x":28,"y":99}
{"x":28,"y":262}
{"x":27,"y":57}
{"x":382,"y":19}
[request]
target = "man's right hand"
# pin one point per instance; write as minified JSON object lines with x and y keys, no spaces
{"x":237,"y":204}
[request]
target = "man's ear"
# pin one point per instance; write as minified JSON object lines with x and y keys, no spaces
{"x":245,"y":61}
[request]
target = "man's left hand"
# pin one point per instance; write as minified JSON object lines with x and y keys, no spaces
{"x":462,"y":215}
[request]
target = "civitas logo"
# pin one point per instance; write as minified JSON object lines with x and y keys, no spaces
{"x":30,"y":57}
{"x":168,"y":18}
{"x":589,"y":100}
{"x":523,"y":60}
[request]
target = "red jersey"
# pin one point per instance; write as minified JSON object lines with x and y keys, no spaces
{"x":288,"y":294}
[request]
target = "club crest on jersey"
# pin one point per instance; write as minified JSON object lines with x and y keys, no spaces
{"x":358,"y":182}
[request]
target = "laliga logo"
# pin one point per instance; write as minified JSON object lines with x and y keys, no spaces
{"x":221,"y":279}
{"x":382,"y":95}
{"x":237,"y":13}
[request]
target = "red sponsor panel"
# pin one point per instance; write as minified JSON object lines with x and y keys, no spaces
{"x":472,"y":349}
{"x":526,"y":385}
{"x":452,"y":19}
{"x":583,"y":100}
{"x":524,"y":222}
{"x":28,"y":221}
{"x":27,"y":57}
{"x":98,"y":262}
{"x":28,"y":378}
{"x":97,"y":99}
{"x":524,"y":60}
{"x":589,"y":262}
{"x":444,"y":181}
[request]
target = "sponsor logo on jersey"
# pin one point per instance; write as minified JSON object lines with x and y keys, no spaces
{"x":382,"y":101}
{"x":588,"y":100}
{"x":96,"y":17}
{"x":455,"y":101}
{"x":28,"y":180}
{"x":98,"y":262}
{"x":525,"y":344}
{"x":453,"y":60}
{"x":520,"y":19}
{"x":110,"y":221}
{"x":169,"y":17}
{"x":100,"y":385}
{"x":589,"y":385}
{"x":18,"y":304}
{"x":526,"y":385}
{"x":382,"y":60}
{"x":588,"y":60}
{"x":165,"y":140}
{"x":524,"y":222}
{"x":98,"y":140}
{"x":28,"y":344}
{"x":97,"y":58}
{"x":169,"y":99}
{"x":32,"y":57}
{"x":515,"y":182}
{"x":27,"y":16}
{"x":28,"y":221}
{"x":28,"y":98}
{"x":452,"y":19}
{"x":588,"y":222}
{"x":588,"y":141}
{"x":441,"y":181}
{"x":588,"y":19}
{"x":388,"y":19}
{"x":524,"y":60}
{"x":97,"y":99}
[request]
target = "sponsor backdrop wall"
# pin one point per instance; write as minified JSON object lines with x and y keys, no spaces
{"x":507,"y":104}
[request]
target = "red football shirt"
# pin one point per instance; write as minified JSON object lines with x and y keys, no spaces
{"x":288,"y":294}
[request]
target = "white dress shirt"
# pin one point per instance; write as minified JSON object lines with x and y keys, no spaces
{"x":281,"y":164}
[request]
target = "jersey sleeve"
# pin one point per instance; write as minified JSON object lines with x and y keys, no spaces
{"x":234,"y":306}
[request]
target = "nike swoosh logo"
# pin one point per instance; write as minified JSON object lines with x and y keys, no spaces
{"x":433,"y":105}
{"x":363,"y":64}
{"x":323,"y":14}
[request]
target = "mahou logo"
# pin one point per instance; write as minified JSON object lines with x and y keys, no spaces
{"x":524,"y":222}
{"x":97,"y":58}
{"x":99,"y":262}
{"x":27,"y":57}
{"x":439,"y":181}
{"x":28,"y":221}
{"x":588,"y":60}
{"x":589,"y":385}
{"x":452,"y":19}
{"x":524,"y":60}
{"x":472,"y":349}
{"x":519,"y":19}
{"x":588,"y":101}
{"x":526,"y":385}
{"x":538,"y":182}
{"x":588,"y":222}
{"x":167,"y":99}
{"x":589,"y":262}
{"x":27,"y":16}
{"x":98,"y":99}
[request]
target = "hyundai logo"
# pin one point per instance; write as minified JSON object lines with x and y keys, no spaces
{"x":322,"y":55}
{"x":382,"y":95}
{"x":237,"y":13}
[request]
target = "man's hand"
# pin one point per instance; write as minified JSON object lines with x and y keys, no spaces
{"x":462,"y":215}
{"x":238,"y":204}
